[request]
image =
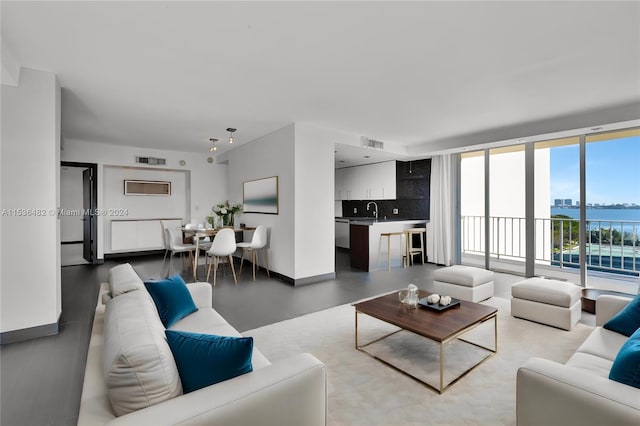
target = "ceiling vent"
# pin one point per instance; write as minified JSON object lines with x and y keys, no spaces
{"x":371,"y":143}
{"x":152,"y":161}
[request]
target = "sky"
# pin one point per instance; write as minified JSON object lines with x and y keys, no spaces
{"x":612,"y":167}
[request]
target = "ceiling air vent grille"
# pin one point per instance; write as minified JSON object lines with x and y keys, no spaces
{"x":371,"y":143}
{"x":151,"y":161}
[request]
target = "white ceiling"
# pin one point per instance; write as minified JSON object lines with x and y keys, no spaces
{"x":418,"y":75}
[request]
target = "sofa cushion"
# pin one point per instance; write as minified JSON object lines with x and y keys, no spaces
{"x":205,"y":359}
{"x":603,"y":343}
{"x":138,"y":365}
{"x":627,"y":321}
{"x":626,"y":366}
{"x":172,"y":298}
{"x":123,"y":279}
{"x":591,"y":364}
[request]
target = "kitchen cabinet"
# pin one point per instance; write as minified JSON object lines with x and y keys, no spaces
{"x":343,"y":183}
{"x":369,"y":182}
{"x":138,"y":235}
{"x":381,"y":181}
{"x":413,"y":180}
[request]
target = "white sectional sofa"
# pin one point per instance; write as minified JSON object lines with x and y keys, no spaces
{"x":288,"y":392}
{"x":580,"y":391}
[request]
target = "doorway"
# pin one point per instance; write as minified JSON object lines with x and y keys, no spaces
{"x":78,"y":213}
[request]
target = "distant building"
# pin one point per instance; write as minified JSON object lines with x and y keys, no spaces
{"x":577,"y":203}
{"x":557,"y":202}
{"x":567,"y":202}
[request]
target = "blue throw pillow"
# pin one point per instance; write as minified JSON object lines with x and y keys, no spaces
{"x":626,"y":366}
{"x":205,"y":359}
{"x":172,"y":298}
{"x":627,"y":321}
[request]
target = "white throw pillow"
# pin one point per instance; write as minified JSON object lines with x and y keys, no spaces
{"x":123,"y":279}
{"x":139,"y":368}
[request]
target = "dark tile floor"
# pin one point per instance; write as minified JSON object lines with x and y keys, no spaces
{"x":41,"y":379}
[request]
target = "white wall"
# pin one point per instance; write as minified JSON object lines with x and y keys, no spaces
{"x":30,"y":296}
{"x":173,"y":206}
{"x":71,"y":199}
{"x":302,"y":234}
{"x":314,"y":201}
{"x":205,"y":183}
{"x":270,"y":155}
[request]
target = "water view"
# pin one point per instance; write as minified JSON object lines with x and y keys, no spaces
{"x":626,"y":214}
{"x":613,"y":238}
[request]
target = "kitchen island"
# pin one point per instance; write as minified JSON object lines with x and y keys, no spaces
{"x":367,"y":252}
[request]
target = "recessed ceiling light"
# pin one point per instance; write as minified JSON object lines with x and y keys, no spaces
{"x":367,"y":156}
{"x":340,"y":161}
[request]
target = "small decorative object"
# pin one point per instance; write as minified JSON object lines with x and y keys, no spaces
{"x":445,"y":300}
{"x":226,"y":212}
{"x":436,"y":302}
{"x":209,"y":159}
{"x":409,"y":296}
{"x":433,"y":298}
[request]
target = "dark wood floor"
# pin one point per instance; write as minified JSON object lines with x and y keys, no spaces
{"x":41,"y":379}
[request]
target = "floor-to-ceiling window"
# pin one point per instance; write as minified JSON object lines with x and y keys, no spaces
{"x":472,"y":205}
{"x":557,"y":200}
{"x":612,"y":196}
{"x":507,"y":232}
{"x":584,"y":211}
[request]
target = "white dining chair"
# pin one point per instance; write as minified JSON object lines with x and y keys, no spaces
{"x":174,"y":244}
{"x":224,"y":245}
{"x":258,"y":242}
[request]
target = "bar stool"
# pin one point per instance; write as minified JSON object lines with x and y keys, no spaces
{"x":388,"y":235}
{"x":411,"y":250}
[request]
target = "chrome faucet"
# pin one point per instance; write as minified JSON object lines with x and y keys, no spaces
{"x":375,"y":212}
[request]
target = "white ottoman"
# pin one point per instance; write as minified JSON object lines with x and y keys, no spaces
{"x":551,"y":302}
{"x":464,"y":282}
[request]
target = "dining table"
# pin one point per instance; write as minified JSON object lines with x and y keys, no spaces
{"x":200,"y":233}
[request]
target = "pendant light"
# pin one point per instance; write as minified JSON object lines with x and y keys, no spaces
{"x":231,"y":130}
{"x":213,"y":144}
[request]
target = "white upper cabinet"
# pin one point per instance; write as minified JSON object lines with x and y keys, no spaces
{"x":341,"y":184}
{"x":369,"y":182}
{"x":381,"y":181}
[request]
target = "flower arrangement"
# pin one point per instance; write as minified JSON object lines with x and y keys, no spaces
{"x":226,"y":212}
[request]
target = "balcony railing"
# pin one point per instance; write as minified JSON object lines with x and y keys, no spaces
{"x":612,"y":245}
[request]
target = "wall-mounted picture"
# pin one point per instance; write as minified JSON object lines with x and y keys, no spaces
{"x":261,"y":196}
{"x":146,"y":187}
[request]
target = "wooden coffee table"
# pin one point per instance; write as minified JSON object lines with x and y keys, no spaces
{"x":440,"y":327}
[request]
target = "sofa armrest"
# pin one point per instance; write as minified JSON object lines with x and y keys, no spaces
{"x":290,"y":392}
{"x":607,"y":306}
{"x":201,"y":294}
{"x":549,"y":393}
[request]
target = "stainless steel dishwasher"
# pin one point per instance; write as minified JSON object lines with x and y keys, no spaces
{"x":342,"y":233}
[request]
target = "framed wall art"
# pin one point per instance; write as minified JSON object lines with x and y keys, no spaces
{"x":260,"y":196}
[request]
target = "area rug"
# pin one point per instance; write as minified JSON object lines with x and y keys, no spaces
{"x":363,"y":391}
